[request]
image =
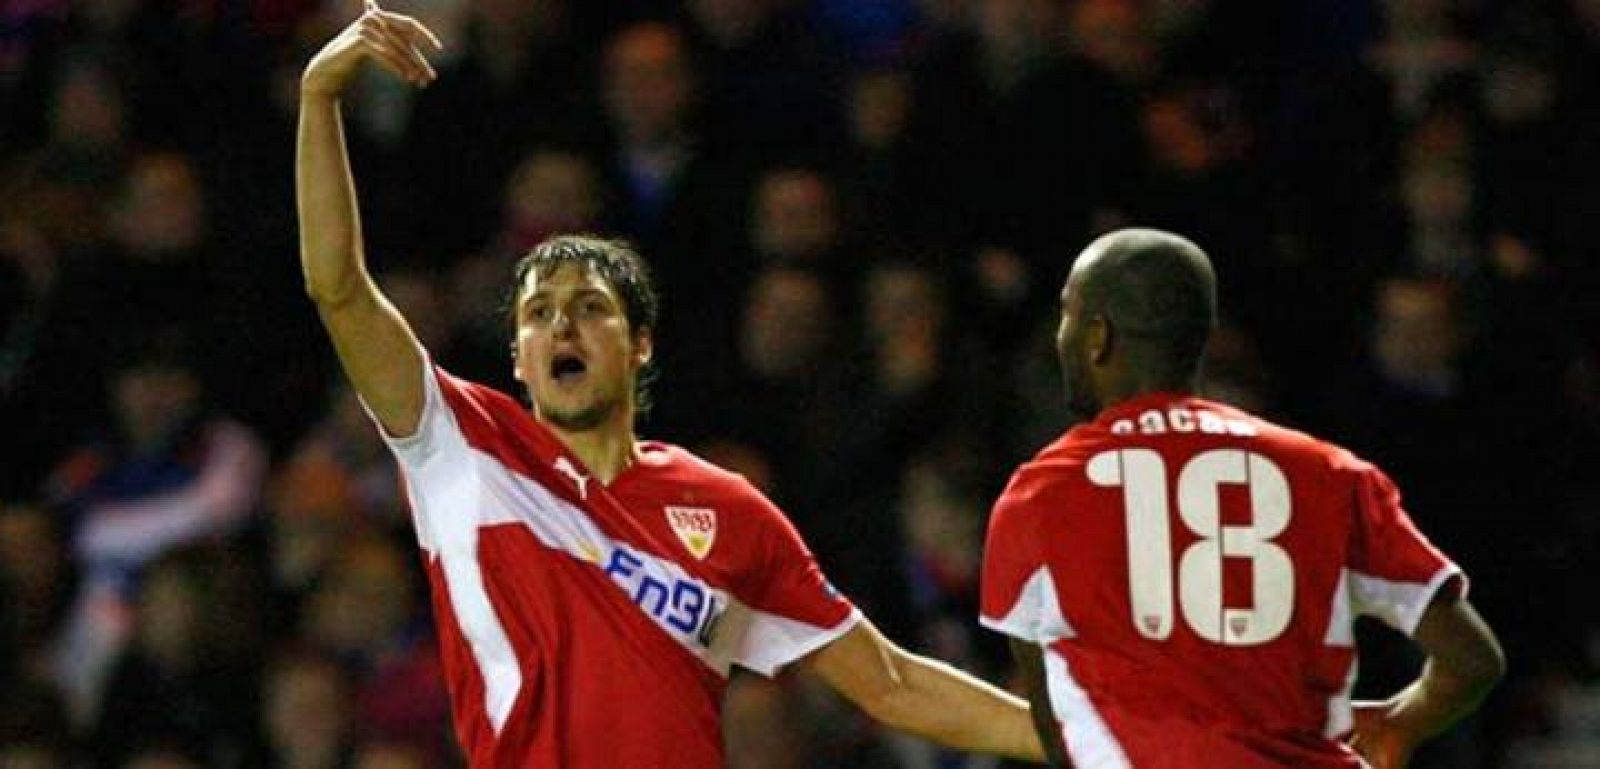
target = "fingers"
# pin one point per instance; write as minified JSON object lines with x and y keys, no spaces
{"x":412,"y":30}
{"x":390,"y":55}
{"x":419,"y":31}
{"x":392,"y":42}
{"x":401,"y":36}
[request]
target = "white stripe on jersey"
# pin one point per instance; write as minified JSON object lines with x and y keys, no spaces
{"x":1340,"y":717}
{"x":1341,"y":633}
{"x":709,"y":622}
{"x":1398,"y":604}
{"x":1036,"y":616}
{"x":441,"y":478}
{"x":1088,"y":739}
{"x":457,"y":489}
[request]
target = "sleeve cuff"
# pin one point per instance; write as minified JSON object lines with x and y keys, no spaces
{"x":1412,"y":614}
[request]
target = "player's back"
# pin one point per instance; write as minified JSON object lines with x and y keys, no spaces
{"x":1193,"y":572}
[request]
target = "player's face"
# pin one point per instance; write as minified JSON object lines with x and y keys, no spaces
{"x":1073,"y":351}
{"x":575,"y":352}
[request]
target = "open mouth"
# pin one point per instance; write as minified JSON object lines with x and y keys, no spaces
{"x":567,"y":368}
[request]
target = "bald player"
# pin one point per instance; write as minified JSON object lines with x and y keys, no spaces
{"x":1180,"y":578}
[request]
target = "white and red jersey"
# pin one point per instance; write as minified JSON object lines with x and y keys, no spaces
{"x":1193,"y":574}
{"x":584,"y":625}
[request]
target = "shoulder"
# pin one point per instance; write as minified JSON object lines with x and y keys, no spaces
{"x":1307,"y":451}
{"x":464,"y":396}
{"x":1057,"y":468}
{"x":1066,"y":455}
{"x":487,"y":415}
{"x":462,"y":414}
{"x":696,"y":478}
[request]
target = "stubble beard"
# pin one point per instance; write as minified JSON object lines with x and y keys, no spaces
{"x":581,"y":419}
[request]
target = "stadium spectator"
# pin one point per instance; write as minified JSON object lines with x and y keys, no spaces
{"x":367,"y":610}
{"x":192,"y":649}
{"x":517,"y":76}
{"x":34,"y":731}
{"x":167,"y":473}
{"x":35,"y":588}
{"x":307,"y":712}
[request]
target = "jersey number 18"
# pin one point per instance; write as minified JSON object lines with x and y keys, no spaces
{"x":1142,"y":474}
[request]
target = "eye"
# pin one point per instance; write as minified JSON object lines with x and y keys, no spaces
{"x":592,"y":307}
{"x":539,"y":313}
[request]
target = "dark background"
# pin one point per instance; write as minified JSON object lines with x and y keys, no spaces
{"x":859,"y":213}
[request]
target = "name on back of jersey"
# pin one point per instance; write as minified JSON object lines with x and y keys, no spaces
{"x":1181,"y":420}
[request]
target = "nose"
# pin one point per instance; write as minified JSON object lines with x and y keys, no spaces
{"x":561,"y":326}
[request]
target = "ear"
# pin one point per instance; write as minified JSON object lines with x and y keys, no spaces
{"x":644,"y":347}
{"x":516,"y":363}
{"x":1101,"y":339}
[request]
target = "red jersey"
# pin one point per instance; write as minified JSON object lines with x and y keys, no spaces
{"x":585,"y":625}
{"x":1192,"y":574}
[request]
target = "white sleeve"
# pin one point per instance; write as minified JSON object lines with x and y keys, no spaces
{"x":770,"y":642}
{"x":434,"y":429}
{"x":434,"y":460}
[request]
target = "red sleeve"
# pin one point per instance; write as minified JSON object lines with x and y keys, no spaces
{"x":793,"y":608}
{"x":1395,"y":571}
{"x":1014,"y":577}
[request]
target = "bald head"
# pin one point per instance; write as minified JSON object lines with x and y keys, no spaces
{"x":1151,"y":285}
{"x":1142,"y":303}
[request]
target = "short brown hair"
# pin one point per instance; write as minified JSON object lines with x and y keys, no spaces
{"x":619,"y":263}
{"x":614,"y":259}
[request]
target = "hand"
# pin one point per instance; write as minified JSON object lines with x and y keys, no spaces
{"x":1381,"y":736}
{"x":391,"y":39}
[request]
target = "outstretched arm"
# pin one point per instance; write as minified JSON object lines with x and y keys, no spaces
{"x":379,"y":353}
{"x":925,"y":697}
{"x":1464,"y":662}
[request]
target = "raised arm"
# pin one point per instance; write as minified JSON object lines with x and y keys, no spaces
{"x":379,"y":353}
{"x":1464,"y":662}
{"x":925,"y":697}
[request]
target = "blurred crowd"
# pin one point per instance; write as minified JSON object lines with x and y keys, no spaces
{"x":860,"y":213}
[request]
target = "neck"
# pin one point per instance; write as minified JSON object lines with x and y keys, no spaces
{"x":605,"y":450}
{"x":1125,"y":386}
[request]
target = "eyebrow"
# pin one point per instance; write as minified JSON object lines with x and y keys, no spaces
{"x":582,"y":292}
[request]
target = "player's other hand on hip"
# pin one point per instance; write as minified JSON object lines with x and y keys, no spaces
{"x":1381,"y":735}
{"x":393,"y":40}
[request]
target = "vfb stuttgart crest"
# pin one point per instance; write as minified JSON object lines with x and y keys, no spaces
{"x":696,"y":527}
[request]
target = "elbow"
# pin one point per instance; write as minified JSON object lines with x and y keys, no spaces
{"x":881,"y":706}
{"x":328,"y":293}
{"x":1482,"y":667}
{"x":892,"y":704}
{"x":1490,"y":665}
{"x":321,"y":293}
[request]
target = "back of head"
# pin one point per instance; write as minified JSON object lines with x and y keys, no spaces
{"x":1158,"y":291}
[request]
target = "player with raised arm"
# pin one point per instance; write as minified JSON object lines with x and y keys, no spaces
{"x":591,"y":590}
{"x":1180,"y":578}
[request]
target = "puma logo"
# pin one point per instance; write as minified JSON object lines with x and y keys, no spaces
{"x":565,"y":467}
